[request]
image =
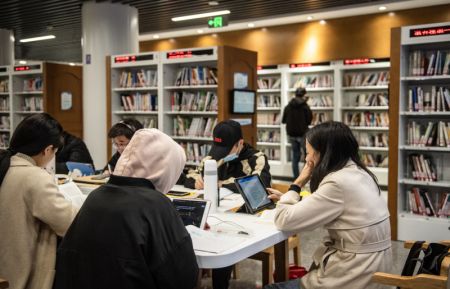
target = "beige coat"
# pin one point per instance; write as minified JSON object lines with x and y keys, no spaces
{"x":347,"y":203}
{"x":32,"y":213}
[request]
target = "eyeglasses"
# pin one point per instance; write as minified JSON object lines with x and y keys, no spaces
{"x":118,"y":146}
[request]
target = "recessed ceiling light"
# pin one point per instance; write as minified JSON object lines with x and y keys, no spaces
{"x":251,"y":25}
{"x":22,"y":62}
{"x":382,"y":8}
{"x":72,"y":64}
{"x":172,"y":40}
{"x":322,"y":22}
{"x":201,"y":15}
{"x":264,"y":29}
{"x":200,"y":31}
{"x":156,"y":36}
{"x":309,"y":18}
{"x":214,"y":35}
{"x":391,"y":13}
{"x":213,"y":3}
{"x":46,"y":37}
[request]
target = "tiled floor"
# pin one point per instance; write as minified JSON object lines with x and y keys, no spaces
{"x":249,"y":271}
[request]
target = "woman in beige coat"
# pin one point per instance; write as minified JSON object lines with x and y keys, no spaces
{"x":32,"y":211}
{"x":346,"y":201}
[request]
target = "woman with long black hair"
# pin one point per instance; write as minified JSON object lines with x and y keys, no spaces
{"x":346,"y":201}
{"x":32,"y":210}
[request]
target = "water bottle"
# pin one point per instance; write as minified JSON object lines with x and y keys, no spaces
{"x":211,"y":192}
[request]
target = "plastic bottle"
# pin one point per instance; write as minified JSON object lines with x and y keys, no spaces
{"x":211,"y":191}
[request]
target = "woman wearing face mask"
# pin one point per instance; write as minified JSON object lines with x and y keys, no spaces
{"x":121,"y":134}
{"x":346,"y":201}
{"x":32,"y":210}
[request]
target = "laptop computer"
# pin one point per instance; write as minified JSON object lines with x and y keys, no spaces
{"x":83,"y":168}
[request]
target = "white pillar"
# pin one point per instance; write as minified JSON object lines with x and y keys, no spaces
{"x":108,"y":29}
{"x":6,"y":47}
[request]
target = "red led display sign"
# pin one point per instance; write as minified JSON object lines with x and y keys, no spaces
{"x":357,"y":61}
{"x":296,"y":65}
{"x":189,"y":53}
{"x":260,"y":67}
{"x":26,"y":67}
{"x":429,"y":31}
{"x":132,"y":58}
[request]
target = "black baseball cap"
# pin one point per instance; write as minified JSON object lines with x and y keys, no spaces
{"x":225,"y":135}
{"x":299,"y":92}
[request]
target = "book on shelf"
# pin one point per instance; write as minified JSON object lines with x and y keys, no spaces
{"x":420,"y":202}
{"x":268,"y":118}
{"x":139,"y":102}
{"x":319,"y":117}
{"x":373,"y":99}
{"x":320,"y":101}
{"x":193,"y":126}
{"x":190,"y":101}
{"x":272,"y":154}
{"x":4,"y":103}
{"x":138,"y":78}
{"x":313,"y":81}
{"x":435,"y":133}
{"x":375,"y":160}
{"x":269,"y":82}
{"x":5,"y":122}
{"x":195,"y":152}
{"x":437,"y":98}
{"x":4,"y":85}
{"x":367,"y":118}
{"x":268,"y":135}
{"x":444,"y":206}
{"x":269,"y":100}
{"x":378,"y":78}
{"x":200,"y":75}
{"x":32,"y":84}
{"x":150,"y":122}
{"x":375,"y":140}
{"x":4,"y":140}
{"x":422,"y":168}
{"x":429,"y":62}
{"x":34,"y":103}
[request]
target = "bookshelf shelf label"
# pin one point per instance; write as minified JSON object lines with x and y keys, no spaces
{"x":132,"y":58}
{"x":189,"y":53}
{"x":429,"y":31}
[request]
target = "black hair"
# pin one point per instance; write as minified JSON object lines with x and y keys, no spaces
{"x":33,"y":134}
{"x":300,"y":92}
{"x":337,"y":145}
{"x":126,"y":127}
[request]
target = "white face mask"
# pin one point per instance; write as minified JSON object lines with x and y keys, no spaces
{"x":230,"y":158}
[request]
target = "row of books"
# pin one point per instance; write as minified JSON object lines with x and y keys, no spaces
{"x":269,"y":100}
{"x":195,"y":152}
{"x":320,"y":117}
{"x":378,"y":78}
{"x":5,"y":122}
{"x":189,"y":101}
{"x":34,"y":103}
{"x":373,"y":99}
{"x":4,"y":140}
{"x":379,"y":140}
{"x":148,"y":122}
{"x":269,"y":82}
{"x":431,"y":134}
{"x":375,"y":160}
{"x":436,"y":99}
{"x":428,"y":63}
{"x":269,"y":135}
{"x":420,"y":203}
{"x":4,"y":85}
{"x":32,"y":84}
{"x":422,"y":168}
{"x":193,"y":126}
{"x":320,"y":101}
{"x":367,"y":118}
{"x":4,"y":103}
{"x":199,"y":75}
{"x":139,"y":102}
{"x":268,"y":118}
{"x":313,"y":81}
{"x":138,"y":78}
{"x":273,"y":154}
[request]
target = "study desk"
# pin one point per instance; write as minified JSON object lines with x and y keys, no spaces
{"x":262,"y":234}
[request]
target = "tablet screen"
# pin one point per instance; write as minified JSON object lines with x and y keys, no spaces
{"x":192,"y":212}
{"x":254,"y":191}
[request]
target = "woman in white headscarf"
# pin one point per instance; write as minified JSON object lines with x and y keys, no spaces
{"x":128,"y":234}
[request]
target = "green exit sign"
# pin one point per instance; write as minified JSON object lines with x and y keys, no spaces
{"x":217,"y":22}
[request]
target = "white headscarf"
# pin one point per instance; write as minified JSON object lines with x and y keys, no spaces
{"x":154,"y":156}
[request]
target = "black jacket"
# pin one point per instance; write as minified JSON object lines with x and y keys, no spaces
{"x":126,"y":235}
{"x":250,"y":161}
{"x":74,"y":150}
{"x":112,"y":162}
{"x":297,"y":116}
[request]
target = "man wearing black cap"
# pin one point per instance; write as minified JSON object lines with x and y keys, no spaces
{"x":297,"y":116}
{"x":235,"y":158}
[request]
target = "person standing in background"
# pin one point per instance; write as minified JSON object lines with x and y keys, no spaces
{"x":297,"y":116}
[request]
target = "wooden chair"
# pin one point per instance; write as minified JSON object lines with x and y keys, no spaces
{"x":4,"y":284}
{"x":420,"y":281}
